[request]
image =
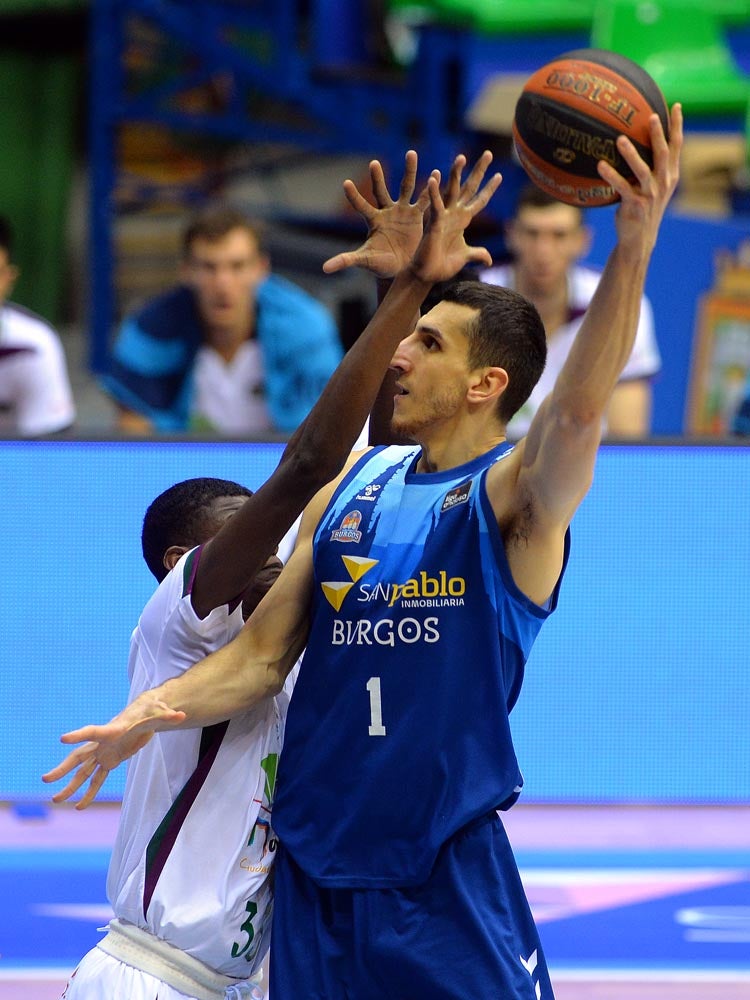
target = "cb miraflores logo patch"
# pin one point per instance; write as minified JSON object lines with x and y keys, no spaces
{"x":349,"y":528}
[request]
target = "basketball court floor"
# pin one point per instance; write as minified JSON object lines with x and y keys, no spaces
{"x":633,"y":902}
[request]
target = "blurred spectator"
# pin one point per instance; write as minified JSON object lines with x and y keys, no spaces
{"x":35,"y":393}
{"x":741,"y":419}
{"x":233,"y":348}
{"x":546,"y":239}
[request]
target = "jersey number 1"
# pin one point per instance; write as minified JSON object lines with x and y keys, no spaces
{"x":376,"y":727}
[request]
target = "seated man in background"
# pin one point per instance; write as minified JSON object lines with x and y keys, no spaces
{"x":546,"y":238}
{"x":233,"y":348}
{"x":741,"y":419}
{"x":35,"y":393}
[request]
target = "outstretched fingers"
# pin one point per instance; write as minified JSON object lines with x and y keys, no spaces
{"x":424,"y":199}
{"x":379,"y":187}
{"x":453,"y":188}
{"x":77,"y":758}
{"x":482,"y":197}
{"x":358,"y":201}
{"x":479,"y":255}
{"x":473,"y":182}
{"x":97,"y":780}
{"x":409,"y":180}
{"x":667,"y":154}
{"x":84,"y":766}
{"x":664,"y":174}
{"x":340,"y":261}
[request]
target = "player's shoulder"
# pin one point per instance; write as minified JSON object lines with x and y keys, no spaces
{"x":317,"y":506}
{"x":582,"y":283}
{"x":168,"y":593}
{"x":169,"y":618}
{"x":162,"y":312}
{"x":502,"y":478}
{"x":279,"y":297}
{"x":23,"y":326}
{"x":498,"y":274}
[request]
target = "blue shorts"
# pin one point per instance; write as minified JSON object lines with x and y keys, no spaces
{"x":465,"y":933}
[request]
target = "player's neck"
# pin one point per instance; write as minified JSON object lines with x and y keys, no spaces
{"x":227,"y":340}
{"x":551,"y":302}
{"x":552,"y":306}
{"x":443,"y":451}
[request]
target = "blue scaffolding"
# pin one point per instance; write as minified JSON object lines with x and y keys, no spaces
{"x":288,"y":71}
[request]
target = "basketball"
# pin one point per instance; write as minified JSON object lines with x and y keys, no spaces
{"x":569,"y":115}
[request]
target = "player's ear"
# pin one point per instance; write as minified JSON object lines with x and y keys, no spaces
{"x":487,"y":384}
{"x":173,"y":555}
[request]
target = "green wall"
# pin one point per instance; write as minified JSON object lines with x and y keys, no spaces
{"x":42,"y":58}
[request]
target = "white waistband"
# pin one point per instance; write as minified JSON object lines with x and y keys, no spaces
{"x":143,"y":950}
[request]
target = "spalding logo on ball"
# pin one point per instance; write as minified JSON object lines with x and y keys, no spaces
{"x":569,"y":115}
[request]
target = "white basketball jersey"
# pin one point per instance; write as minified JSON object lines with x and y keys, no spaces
{"x":229,"y":395}
{"x":35,"y":393}
{"x":195,"y":846}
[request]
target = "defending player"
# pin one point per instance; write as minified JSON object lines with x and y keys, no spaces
{"x":191,"y":892}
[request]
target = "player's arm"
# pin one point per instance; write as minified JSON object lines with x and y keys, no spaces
{"x":231,"y":680}
{"x":554,"y":464}
{"x":318,"y":449}
{"x":394,"y":229}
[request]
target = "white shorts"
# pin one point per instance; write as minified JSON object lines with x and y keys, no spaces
{"x":100,"y":975}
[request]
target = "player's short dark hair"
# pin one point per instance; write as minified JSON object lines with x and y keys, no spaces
{"x":180,"y":516}
{"x":439,"y":290}
{"x":506,"y":333}
{"x":215,"y":221}
{"x":6,"y":236}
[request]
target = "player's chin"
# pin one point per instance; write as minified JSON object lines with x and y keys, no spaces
{"x":403,"y":426}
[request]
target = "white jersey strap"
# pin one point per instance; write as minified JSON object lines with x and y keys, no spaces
{"x":142,"y":950}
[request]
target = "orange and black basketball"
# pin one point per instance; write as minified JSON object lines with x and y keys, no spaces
{"x":570,"y":114}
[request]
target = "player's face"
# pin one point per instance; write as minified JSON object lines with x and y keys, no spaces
{"x":8,"y":275}
{"x":432,"y":371}
{"x":222,"y":509}
{"x":262,"y":583}
{"x":224,"y":274}
{"x":545,"y":243}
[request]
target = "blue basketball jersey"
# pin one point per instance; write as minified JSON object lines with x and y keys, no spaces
{"x":397,"y":733}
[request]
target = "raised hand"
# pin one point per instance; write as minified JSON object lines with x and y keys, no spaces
{"x":644,"y":200}
{"x":394,"y":228}
{"x":443,"y":250}
{"x":109,"y":745}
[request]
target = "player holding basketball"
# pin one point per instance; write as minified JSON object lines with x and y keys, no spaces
{"x":192,"y":896}
{"x":434,"y":568}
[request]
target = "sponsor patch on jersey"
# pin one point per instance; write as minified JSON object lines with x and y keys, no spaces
{"x":349,"y":529}
{"x":456,"y":496}
{"x":369,"y":492}
{"x":336,"y":590}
